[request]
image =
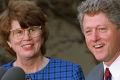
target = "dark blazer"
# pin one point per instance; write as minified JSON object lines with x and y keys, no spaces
{"x":97,"y":73}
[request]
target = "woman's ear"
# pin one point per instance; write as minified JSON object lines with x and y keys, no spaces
{"x":9,"y":44}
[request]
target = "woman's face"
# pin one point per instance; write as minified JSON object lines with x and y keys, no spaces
{"x":25,"y":42}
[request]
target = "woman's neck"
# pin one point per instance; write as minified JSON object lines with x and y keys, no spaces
{"x":32,"y":65}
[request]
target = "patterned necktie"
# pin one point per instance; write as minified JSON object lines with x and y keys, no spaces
{"x":107,"y":74}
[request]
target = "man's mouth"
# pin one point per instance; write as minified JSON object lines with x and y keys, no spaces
{"x":97,"y":46}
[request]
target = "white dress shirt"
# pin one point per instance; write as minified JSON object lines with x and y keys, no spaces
{"x":114,"y":69}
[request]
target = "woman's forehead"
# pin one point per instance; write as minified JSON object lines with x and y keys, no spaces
{"x":15,"y":24}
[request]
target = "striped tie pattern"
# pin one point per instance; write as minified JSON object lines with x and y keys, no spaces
{"x":107,"y":74}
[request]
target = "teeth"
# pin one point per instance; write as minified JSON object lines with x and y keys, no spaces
{"x":98,"y":45}
{"x":27,"y":46}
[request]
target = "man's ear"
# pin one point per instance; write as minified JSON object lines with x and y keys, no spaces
{"x":119,"y":30}
{"x":9,"y":44}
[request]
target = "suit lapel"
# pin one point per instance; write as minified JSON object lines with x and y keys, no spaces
{"x":100,"y":73}
{"x":97,"y":73}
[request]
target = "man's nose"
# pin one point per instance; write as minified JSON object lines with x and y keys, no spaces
{"x":95,"y":36}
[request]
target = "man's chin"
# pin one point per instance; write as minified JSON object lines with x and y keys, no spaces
{"x":100,"y":59}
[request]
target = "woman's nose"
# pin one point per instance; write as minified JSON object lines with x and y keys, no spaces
{"x":27,"y":35}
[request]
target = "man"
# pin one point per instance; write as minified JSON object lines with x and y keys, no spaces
{"x":100,"y":23}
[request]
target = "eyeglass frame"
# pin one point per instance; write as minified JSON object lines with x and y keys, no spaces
{"x":23,"y":32}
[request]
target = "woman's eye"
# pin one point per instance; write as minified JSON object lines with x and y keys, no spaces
{"x":32,"y":30}
{"x":18,"y":31}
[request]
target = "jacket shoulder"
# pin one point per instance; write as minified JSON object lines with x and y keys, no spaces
{"x":96,"y":73}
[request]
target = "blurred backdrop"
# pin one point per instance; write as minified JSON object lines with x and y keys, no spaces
{"x":65,"y":40}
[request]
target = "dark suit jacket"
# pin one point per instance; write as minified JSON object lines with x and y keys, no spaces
{"x":97,"y":73}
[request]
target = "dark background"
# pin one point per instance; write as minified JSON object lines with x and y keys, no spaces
{"x":65,"y":40}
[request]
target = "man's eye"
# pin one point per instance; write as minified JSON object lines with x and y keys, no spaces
{"x":102,"y":29}
{"x":87,"y":31}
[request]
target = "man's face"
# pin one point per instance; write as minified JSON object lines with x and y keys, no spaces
{"x":102,"y":37}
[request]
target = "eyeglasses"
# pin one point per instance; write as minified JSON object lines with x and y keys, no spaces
{"x":33,"y":31}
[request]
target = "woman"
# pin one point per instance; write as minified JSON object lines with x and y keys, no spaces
{"x":23,"y":33}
